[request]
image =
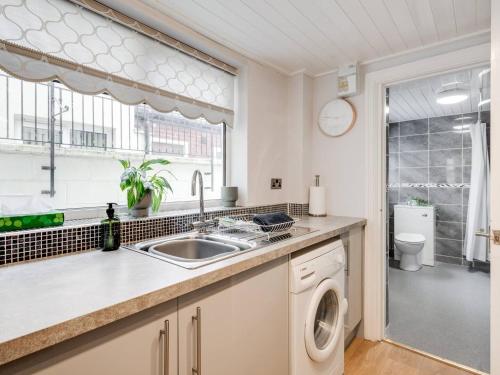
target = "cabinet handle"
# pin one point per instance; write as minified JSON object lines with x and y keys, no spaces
{"x":165,"y":333}
{"x":197,"y":317}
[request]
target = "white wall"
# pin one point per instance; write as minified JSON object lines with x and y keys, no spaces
{"x":265,"y":131}
{"x":299,"y":133}
{"x":339,"y":161}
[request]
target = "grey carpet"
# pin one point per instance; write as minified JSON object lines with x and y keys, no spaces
{"x":443,"y":310}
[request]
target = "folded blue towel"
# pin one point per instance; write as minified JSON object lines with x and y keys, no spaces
{"x":265,"y":220}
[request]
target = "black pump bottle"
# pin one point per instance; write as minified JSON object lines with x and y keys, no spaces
{"x":111,"y":230}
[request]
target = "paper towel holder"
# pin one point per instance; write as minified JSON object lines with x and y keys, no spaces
{"x":316,"y":180}
{"x":316,"y":184}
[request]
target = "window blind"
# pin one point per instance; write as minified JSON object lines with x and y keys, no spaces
{"x":93,"y":49}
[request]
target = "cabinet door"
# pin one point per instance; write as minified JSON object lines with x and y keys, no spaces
{"x":241,"y":322}
{"x":131,"y":346}
{"x":204,"y":340}
{"x":260,"y":310}
{"x":354,"y":278}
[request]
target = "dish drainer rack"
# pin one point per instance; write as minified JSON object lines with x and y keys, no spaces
{"x":242,"y":227}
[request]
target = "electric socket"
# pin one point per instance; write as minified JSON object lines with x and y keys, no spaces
{"x":275,"y":183}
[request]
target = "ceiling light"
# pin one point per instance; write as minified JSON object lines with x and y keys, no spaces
{"x":452,"y":93}
{"x":463,"y":118}
{"x":483,"y":72}
{"x":461,"y":129}
{"x":483,"y":102}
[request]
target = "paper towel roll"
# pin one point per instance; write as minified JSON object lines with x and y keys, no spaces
{"x":317,"y":201}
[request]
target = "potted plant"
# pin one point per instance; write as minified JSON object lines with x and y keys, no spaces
{"x":144,"y":191}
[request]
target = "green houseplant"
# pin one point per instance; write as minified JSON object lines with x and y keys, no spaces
{"x":418,"y":201}
{"x":144,"y":189}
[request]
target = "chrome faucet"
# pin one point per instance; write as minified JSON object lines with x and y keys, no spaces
{"x":202,"y":224}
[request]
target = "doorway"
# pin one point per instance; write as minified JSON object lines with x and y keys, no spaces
{"x":437,"y":203}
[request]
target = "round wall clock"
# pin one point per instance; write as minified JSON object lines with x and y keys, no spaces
{"x":337,"y":117}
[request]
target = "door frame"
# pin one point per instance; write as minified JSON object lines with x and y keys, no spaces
{"x":375,"y":146}
{"x":495,"y":183}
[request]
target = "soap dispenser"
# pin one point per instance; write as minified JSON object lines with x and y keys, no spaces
{"x":111,"y":230}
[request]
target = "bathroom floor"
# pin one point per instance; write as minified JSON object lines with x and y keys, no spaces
{"x":443,"y":310}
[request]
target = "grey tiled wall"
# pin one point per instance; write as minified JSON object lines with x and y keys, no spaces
{"x":430,"y":159}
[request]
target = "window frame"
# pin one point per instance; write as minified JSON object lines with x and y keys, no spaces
{"x":94,"y":212}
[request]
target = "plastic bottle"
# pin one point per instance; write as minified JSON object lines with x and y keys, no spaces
{"x":111,"y":230}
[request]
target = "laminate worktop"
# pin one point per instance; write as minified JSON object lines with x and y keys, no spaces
{"x":47,"y":302}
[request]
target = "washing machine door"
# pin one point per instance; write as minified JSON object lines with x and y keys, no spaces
{"x":325,"y":320}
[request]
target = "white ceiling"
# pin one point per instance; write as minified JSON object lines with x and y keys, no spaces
{"x":417,"y":99}
{"x":316,"y":36}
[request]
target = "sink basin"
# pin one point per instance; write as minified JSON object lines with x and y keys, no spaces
{"x":192,"y":249}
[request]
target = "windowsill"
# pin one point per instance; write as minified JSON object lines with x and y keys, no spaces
{"x":95,"y":214}
{"x":210,"y":207}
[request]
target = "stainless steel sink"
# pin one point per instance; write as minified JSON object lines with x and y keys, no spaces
{"x":194,"y":250}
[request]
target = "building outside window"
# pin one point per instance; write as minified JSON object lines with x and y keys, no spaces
{"x":91,"y":133}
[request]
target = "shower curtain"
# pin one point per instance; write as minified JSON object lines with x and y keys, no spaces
{"x":478,"y":211}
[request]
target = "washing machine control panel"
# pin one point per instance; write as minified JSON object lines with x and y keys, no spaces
{"x":310,"y":273}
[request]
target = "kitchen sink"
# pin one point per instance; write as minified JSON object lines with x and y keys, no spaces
{"x":194,"y":250}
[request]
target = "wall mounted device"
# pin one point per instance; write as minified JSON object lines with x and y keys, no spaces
{"x":347,"y":80}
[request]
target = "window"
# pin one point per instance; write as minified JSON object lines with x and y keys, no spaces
{"x":32,"y":135}
{"x":90,"y":134}
{"x":88,"y":138}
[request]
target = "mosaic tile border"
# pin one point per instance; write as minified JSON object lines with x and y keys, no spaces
{"x":427,"y":185}
{"x":31,"y":245}
{"x":85,"y":235}
{"x":298,"y":209}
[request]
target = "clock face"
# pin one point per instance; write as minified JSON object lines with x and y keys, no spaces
{"x":337,"y":117}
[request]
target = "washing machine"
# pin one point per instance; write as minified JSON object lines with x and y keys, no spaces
{"x":317,"y":308}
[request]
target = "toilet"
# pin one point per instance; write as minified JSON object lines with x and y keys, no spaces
{"x":410,"y":245}
{"x":414,"y":236}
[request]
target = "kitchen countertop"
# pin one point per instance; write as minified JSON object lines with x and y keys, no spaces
{"x":47,"y":302}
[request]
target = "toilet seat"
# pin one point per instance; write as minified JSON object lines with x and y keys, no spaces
{"x":410,"y":237}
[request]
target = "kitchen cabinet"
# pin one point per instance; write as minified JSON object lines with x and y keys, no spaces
{"x":235,"y":326}
{"x":353,"y":245}
{"x":238,"y":325}
{"x":145,"y":343}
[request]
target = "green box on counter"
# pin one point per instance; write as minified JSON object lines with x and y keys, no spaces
{"x":23,"y":222}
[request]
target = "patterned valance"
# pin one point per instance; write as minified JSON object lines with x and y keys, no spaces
{"x":93,"y":49}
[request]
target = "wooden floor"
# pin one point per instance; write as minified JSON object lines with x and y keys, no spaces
{"x":374,"y":358}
